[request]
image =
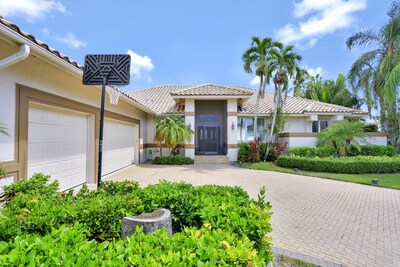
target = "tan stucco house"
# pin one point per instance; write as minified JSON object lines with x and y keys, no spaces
{"x":53,"y":119}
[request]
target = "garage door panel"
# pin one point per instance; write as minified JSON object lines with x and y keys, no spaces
{"x":119,"y":145}
{"x":57,"y":145}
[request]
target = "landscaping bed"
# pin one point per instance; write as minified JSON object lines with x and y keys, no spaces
{"x":213,"y":225}
{"x":358,"y":164}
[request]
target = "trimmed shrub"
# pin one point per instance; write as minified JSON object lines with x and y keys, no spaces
{"x":263,"y":149}
{"x":244,"y":152}
{"x":359,"y":164}
{"x":376,"y":150}
{"x":173,"y":160}
{"x":311,"y":151}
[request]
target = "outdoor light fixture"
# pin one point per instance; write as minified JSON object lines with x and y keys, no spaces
{"x":233,"y":126}
{"x":190,"y":126}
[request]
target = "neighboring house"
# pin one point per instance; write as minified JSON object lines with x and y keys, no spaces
{"x":53,"y":119}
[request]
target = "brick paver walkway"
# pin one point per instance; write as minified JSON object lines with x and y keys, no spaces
{"x":344,"y":223}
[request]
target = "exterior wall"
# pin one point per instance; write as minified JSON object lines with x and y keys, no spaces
{"x":36,"y":74}
{"x":296,"y":125}
{"x":190,"y":120}
{"x":232,"y":131}
{"x":310,"y":139}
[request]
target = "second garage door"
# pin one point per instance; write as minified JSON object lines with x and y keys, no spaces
{"x":118,"y":145}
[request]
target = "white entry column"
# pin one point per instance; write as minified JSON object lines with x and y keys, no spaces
{"x":189,"y":120}
{"x":232,"y":129}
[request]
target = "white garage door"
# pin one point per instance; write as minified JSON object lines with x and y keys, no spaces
{"x":57,"y":145}
{"x":118,"y":145}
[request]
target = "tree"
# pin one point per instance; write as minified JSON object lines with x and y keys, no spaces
{"x":330,"y":91}
{"x":173,"y":131}
{"x":378,"y":71}
{"x":4,"y":131}
{"x":284,"y":64}
{"x":300,"y":81}
{"x":258,"y":56}
{"x":341,"y":135}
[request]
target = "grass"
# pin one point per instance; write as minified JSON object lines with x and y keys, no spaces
{"x":389,"y":180}
{"x":285,"y":261}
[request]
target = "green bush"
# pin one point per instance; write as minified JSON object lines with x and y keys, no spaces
{"x":370,"y":128}
{"x":173,"y":160}
{"x":376,"y":150}
{"x":68,"y":246}
{"x":358,"y":164}
{"x":212,"y":224}
{"x":244,"y":152}
{"x":311,"y":151}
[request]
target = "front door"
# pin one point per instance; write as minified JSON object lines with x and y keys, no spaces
{"x":207,"y":140}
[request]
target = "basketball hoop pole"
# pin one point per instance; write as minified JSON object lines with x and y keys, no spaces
{"x":99,"y":165}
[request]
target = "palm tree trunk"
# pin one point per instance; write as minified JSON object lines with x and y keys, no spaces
{"x":271,"y":132}
{"x":258,"y":106}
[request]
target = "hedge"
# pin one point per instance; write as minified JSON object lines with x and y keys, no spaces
{"x":213,"y":225}
{"x":173,"y":160}
{"x":323,"y":152}
{"x":359,"y":164}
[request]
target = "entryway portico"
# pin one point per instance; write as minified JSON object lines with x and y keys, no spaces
{"x":211,"y":112}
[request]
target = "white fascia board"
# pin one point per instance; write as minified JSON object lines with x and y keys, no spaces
{"x":211,"y":97}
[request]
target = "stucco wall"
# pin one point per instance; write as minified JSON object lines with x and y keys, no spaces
{"x":39,"y":74}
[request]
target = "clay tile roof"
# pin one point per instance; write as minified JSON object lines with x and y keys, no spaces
{"x":159,"y":99}
{"x":296,"y":105}
{"x":213,"y":90}
{"x":33,"y":39}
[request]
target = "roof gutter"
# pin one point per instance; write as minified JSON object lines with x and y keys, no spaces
{"x":15,"y":58}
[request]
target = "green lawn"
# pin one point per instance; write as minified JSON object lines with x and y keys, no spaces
{"x":390,"y":180}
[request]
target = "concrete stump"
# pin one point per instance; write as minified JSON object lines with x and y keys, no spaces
{"x":150,"y":221}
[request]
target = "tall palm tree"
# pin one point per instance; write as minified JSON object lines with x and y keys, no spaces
{"x":173,"y":131}
{"x":284,"y":64}
{"x":302,"y":76}
{"x":258,"y":57}
{"x":379,"y":64}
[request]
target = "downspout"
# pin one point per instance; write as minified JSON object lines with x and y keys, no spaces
{"x":15,"y":58}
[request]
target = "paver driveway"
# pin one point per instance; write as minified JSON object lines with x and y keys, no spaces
{"x":344,"y":223}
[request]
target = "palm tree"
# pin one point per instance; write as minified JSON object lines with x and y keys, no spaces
{"x":341,"y":135}
{"x":258,"y":56}
{"x":378,"y":71}
{"x":284,"y":64}
{"x":173,"y":131}
{"x":300,"y":81}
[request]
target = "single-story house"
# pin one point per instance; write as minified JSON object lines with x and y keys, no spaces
{"x":53,"y":119}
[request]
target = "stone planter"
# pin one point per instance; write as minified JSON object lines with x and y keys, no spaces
{"x":150,"y":221}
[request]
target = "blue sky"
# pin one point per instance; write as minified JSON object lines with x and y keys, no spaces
{"x":185,"y":42}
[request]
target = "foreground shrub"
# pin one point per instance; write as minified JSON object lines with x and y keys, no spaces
{"x":68,"y":246}
{"x":173,"y":160}
{"x":225,"y":217}
{"x":359,"y":164}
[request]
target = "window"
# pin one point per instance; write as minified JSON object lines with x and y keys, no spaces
{"x":318,"y":126}
{"x":246,"y":129}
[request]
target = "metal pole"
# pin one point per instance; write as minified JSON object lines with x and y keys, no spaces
{"x":103,"y":90}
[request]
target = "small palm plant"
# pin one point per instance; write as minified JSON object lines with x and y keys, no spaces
{"x":3,"y":130}
{"x":174,"y":132}
{"x":341,"y":135}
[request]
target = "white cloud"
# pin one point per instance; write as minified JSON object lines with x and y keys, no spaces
{"x":255,"y":81}
{"x":314,"y":71}
{"x":139,"y":63}
{"x":30,"y":10}
{"x":71,"y":40}
{"x":319,"y":17}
